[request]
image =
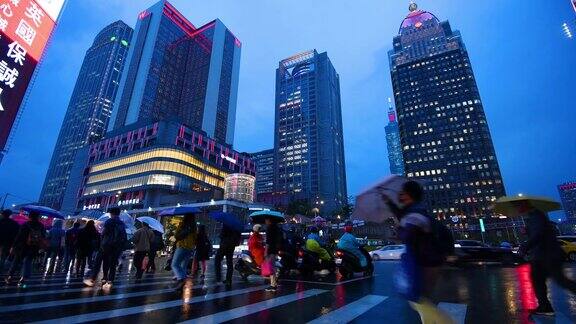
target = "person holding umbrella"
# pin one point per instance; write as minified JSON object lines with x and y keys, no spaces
{"x":30,"y":239}
{"x":8,"y":231}
{"x":113,"y":242}
{"x":55,"y":236}
{"x":185,"y":244}
{"x":142,"y":239}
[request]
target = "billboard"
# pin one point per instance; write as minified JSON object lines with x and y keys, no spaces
{"x":25,"y":27}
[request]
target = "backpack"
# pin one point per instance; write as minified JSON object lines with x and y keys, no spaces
{"x":115,"y":235}
{"x":35,"y":238}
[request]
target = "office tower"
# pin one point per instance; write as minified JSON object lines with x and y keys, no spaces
{"x":393,"y":142}
{"x":89,"y":108}
{"x":308,"y":142}
{"x":177,"y":71}
{"x":568,"y":198}
{"x":444,"y":133}
{"x":264,"y":161}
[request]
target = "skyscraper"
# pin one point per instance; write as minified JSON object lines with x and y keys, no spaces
{"x":264,"y":161}
{"x":445,"y":138}
{"x":568,"y":196}
{"x":393,"y":142}
{"x":90,"y":106}
{"x":178,"y":71}
{"x":308,"y":141}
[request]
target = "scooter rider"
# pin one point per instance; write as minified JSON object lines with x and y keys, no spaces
{"x":313,"y":245}
{"x":349,"y":243}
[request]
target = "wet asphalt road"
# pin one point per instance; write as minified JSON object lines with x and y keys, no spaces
{"x":476,"y":294}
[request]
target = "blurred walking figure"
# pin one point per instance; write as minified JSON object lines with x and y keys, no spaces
{"x":142,"y":239}
{"x":156,"y":246}
{"x":185,"y":244}
{"x":203,"y":248}
{"x":30,"y":239}
{"x":54,"y":250}
{"x":88,"y":243}
{"x":229,"y":240}
{"x":70,"y":247}
{"x":113,"y":242}
{"x":427,"y":246}
{"x":545,"y":254}
{"x":8,"y":231}
{"x":256,"y":245}
{"x":274,"y":240}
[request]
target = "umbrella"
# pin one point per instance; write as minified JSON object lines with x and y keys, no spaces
{"x":182,"y":210}
{"x":371,"y":205}
{"x":318,"y":220}
{"x":507,"y":206}
{"x":124,"y":217}
{"x":44,"y":211}
{"x":227,"y":219}
{"x":259,"y":216}
{"x":152,"y":222}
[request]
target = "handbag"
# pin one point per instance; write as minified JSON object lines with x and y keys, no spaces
{"x":267,"y":267}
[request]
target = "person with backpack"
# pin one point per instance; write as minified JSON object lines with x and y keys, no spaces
{"x":8,"y":231}
{"x":142,"y":239}
{"x":156,"y":245}
{"x":31,"y":238}
{"x":112,"y":245}
{"x":203,"y":248}
{"x":185,"y":244}
{"x":545,"y":254}
{"x":70,"y":246}
{"x":88,"y":242}
{"x":428,"y":242}
{"x":55,"y":237}
{"x":229,"y":240}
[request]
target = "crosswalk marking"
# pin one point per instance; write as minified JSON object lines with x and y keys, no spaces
{"x":148,"y":307}
{"x":69,"y":290}
{"x":456,"y":311}
{"x":255,"y":308}
{"x":349,"y":312}
{"x":76,"y":279}
{"x":79,"y":282}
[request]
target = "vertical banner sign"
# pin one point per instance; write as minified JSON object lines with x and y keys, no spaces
{"x":482,"y":228}
{"x":25,"y":26}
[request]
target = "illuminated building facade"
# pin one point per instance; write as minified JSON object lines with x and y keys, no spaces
{"x":239,"y":187}
{"x":393,"y":143}
{"x":264,"y":171}
{"x":308,"y":141}
{"x":152,"y":165}
{"x":89,"y":108}
{"x":444,"y":133}
{"x":568,"y":198}
{"x":178,"y":71}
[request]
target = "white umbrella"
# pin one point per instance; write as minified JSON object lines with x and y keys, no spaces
{"x":124,"y":217}
{"x":371,"y":205}
{"x":153,"y":223}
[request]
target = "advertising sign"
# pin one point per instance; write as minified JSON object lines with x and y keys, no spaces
{"x":25,"y":26}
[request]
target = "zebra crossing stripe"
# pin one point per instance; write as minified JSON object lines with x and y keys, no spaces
{"x":255,"y":308}
{"x":71,"y":290}
{"x":350,"y":311}
{"x":79,"y":282}
{"x":103,"y":315}
{"x":456,"y":311}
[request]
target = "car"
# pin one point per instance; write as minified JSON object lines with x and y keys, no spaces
{"x":389,"y":252}
{"x":471,"y":251}
{"x":569,"y":248}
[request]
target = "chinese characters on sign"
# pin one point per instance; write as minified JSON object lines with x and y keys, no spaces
{"x":25,"y":27}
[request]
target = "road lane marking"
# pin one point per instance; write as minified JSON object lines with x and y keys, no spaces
{"x":350,"y":311}
{"x":71,"y":290}
{"x":255,"y":308}
{"x":456,"y":311}
{"x":79,"y":279}
{"x":328,"y":283}
{"x":148,"y":307}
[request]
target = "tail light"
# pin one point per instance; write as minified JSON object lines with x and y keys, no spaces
{"x":300,"y":253}
{"x":280,"y":253}
{"x":339,"y":254}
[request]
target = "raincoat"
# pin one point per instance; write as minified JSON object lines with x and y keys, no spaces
{"x":313,"y":245}
{"x":349,"y":243}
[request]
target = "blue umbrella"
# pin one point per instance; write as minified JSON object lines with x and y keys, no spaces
{"x":182,"y":210}
{"x":227,"y":219}
{"x":259,"y":216}
{"x":43,"y":211}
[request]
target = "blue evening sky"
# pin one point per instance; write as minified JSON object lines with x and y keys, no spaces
{"x":524,"y":66}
